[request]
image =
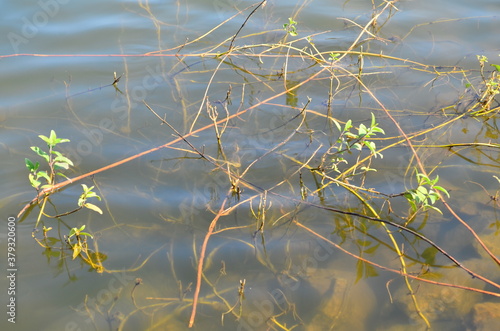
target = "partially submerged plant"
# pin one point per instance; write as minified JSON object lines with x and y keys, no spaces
{"x":56,"y":163}
{"x":55,"y":160}
{"x":80,"y":243}
{"x":291,"y":27}
{"x":487,"y":91}
{"x":426,"y":194}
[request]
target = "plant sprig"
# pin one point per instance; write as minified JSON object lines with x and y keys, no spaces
{"x":426,"y":194}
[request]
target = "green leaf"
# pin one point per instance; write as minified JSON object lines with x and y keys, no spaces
{"x":61,"y":165}
{"x":434,"y":181}
{"x":442,"y":190}
{"x":72,"y":232}
{"x":35,"y":183}
{"x":93,"y":207}
{"x":368,"y":169}
{"x":337,"y":124}
{"x":422,"y":190}
{"x":410,"y":195}
{"x":334,"y":56}
{"x":44,"y":138}
{"x":347,"y":125}
{"x":433,"y":197}
{"x":43,"y":174}
{"x":357,"y":146}
{"x":351,"y":135}
{"x":496,"y":66}
{"x":86,"y":234}
{"x":419,"y":197}
{"x":61,"y":158}
{"x":52,"y":140}
{"x":362,"y":130}
{"x":41,"y":153}
{"x":371,"y":146}
{"x":93,"y":195}
{"x":377,"y":129}
{"x":434,"y":208}
{"x":29,"y":164}
{"x":423,"y":179}
{"x":62,"y":175}
{"x":413,"y":205}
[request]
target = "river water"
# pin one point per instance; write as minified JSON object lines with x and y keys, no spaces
{"x":281,"y":255}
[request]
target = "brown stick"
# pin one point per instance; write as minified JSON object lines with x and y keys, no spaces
{"x":202,"y":258}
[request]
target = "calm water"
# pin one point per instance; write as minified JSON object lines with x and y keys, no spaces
{"x":59,"y":59}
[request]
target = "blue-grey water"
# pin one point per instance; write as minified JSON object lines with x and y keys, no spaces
{"x":58,"y":60}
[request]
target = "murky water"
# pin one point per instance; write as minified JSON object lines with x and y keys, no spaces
{"x":282,"y":242}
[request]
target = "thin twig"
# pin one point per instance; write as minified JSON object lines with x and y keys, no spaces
{"x":241,"y":27}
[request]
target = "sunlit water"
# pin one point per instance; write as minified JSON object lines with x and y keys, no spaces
{"x":156,"y":207}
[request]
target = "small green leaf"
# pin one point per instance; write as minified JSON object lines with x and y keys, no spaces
{"x":357,"y":146}
{"x":72,"y":232}
{"x":35,"y":183}
{"x":371,"y":146}
{"x":93,"y":207}
{"x":347,"y":125}
{"x":29,"y":164}
{"x":86,"y":234}
{"x":337,"y":124}
{"x":62,"y":175}
{"x":53,"y":137}
{"x":434,"y":208}
{"x":41,"y":153}
{"x":52,"y":140}
{"x":61,"y":158}
{"x":61,"y":165}
{"x":43,"y":174}
{"x":435,"y":180}
{"x":377,"y":129}
{"x":442,"y":190}
{"x":496,"y":66}
{"x":362,"y":130}
{"x":334,"y":56}
{"x":351,"y":135}
{"x":433,"y":197}
{"x":44,"y":138}
{"x":410,"y":195}
{"x":422,"y":190}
